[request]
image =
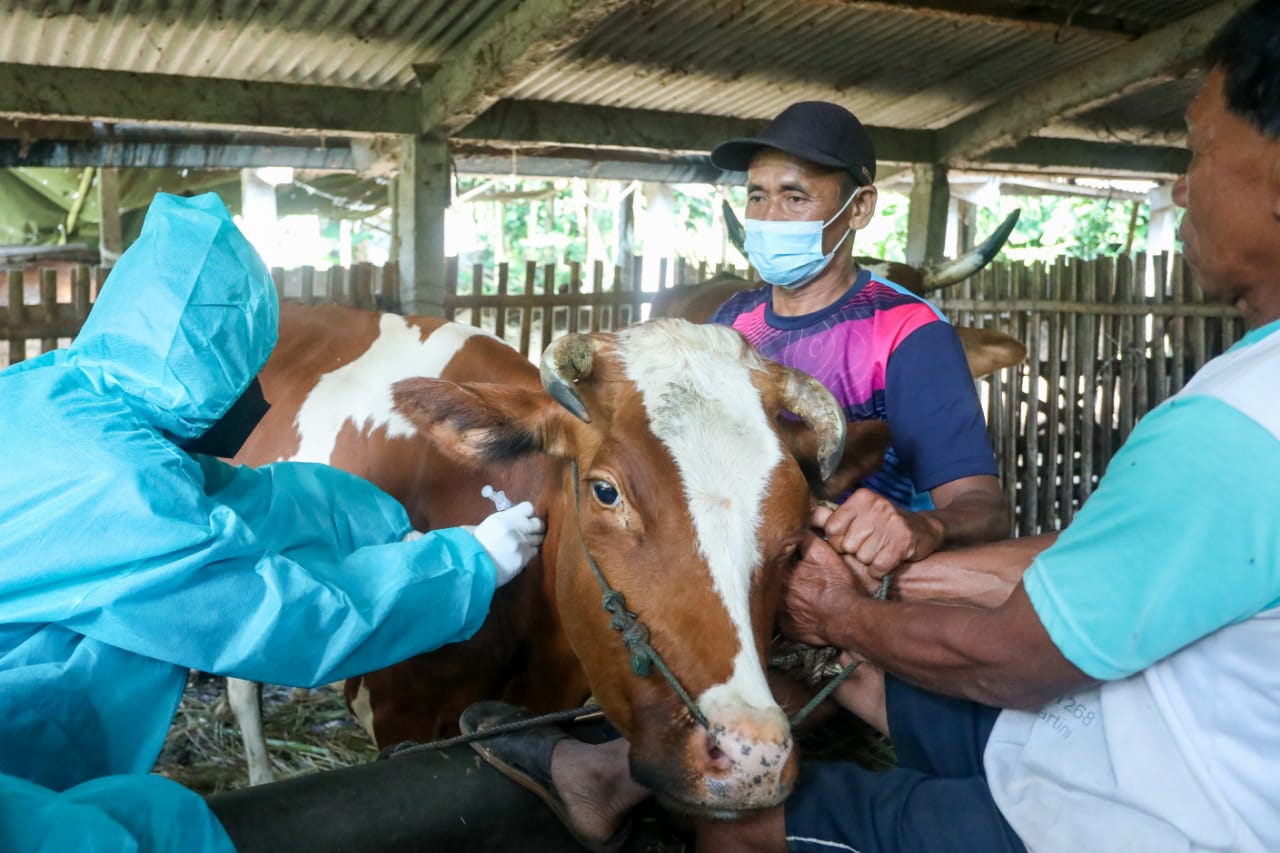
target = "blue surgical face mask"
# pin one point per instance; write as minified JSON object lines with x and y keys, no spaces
{"x":789,"y":254}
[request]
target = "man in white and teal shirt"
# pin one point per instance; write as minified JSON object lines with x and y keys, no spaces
{"x":1121,"y":692}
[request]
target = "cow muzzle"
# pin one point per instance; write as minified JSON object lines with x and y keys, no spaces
{"x":742,"y":761}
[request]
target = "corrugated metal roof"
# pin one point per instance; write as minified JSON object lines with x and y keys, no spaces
{"x":750,"y":58}
{"x":355,"y":43}
{"x":892,"y":64}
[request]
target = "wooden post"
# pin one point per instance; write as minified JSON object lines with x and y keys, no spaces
{"x":423,"y":193}
{"x":927,"y":216}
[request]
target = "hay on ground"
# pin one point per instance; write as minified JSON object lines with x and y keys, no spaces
{"x":305,"y":733}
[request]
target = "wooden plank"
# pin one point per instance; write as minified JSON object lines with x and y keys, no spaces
{"x":1126,"y":348}
{"x":308,"y":285}
{"x":1199,"y":345}
{"x":1054,"y":470}
{"x":1029,"y":279}
{"x":597,"y":291}
{"x":49,"y":305}
{"x":1109,"y":353}
{"x":477,"y":293}
{"x":1105,"y":309}
{"x":1004,"y":287}
{"x":81,"y":285}
{"x":17,"y":315}
{"x":526,"y":314}
{"x":1089,"y":349}
{"x":363,"y":291}
{"x":1179,"y":282}
{"x":1141,"y":347}
{"x":575,"y":290}
{"x":389,"y":287}
{"x":1159,"y":335}
{"x":500,"y":321}
{"x":1071,"y":397}
{"x":548,"y":312}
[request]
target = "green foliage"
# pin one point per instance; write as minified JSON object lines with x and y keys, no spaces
{"x":1060,"y":225}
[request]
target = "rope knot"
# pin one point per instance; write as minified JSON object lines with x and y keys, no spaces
{"x":636,"y":638}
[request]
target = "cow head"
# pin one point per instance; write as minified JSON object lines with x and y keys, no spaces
{"x":695,"y":458}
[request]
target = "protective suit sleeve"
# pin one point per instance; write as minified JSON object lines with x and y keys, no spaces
{"x":299,"y":595}
{"x":108,"y":815}
{"x":288,"y":504}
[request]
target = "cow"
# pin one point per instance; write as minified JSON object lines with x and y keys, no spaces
{"x":672,"y":455}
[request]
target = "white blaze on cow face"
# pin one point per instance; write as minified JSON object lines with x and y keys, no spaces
{"x":695,"y":382}
{"x":360,"y":391}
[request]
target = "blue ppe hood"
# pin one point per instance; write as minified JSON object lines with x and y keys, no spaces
{"x":207,"y":326}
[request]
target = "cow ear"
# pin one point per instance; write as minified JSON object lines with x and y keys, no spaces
{"x":865,"y":443}
{"x":482,"y":421}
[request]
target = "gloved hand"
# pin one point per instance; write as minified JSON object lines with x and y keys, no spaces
{"x":511,"y":538}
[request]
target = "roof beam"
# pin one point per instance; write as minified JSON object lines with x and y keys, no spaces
{"x":1077,"y":157}
{"x":1135,"y":64}
{"x":576,"y":124}
{"x":1012,"y":12}
{"x":519,"y":36}
{"x":39,"y":91}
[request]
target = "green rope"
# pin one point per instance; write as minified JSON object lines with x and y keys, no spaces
{"x":839,"y":678}
{"x":635,"y":634}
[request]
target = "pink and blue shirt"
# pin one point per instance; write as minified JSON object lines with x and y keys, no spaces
{"x":886,"y":354}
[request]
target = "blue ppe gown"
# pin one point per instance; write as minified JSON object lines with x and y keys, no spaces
{"x":125,"y":561}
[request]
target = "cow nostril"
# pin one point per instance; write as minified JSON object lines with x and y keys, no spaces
{"x":717,"y":757}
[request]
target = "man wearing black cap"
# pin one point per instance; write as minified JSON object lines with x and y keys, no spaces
{"x":1122,"y":693}
{"x":885,"y":353}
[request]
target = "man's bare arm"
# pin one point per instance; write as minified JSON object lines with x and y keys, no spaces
{"x":998,"y":656}
{"x":979,"y":576}
{"x":972,"y":510}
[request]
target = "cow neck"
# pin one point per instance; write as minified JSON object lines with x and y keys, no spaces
{"x":635,"y":634}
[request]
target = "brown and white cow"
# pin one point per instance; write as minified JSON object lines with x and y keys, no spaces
{"x":693,"y":493}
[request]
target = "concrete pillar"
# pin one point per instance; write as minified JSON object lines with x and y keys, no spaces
{"x":258,"y":219}
{"x":927,"y":216}
{"x":1162,"y":228}
{"x":424,"y":191}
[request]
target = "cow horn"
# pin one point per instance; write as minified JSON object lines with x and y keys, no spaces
{"x":809,"y":400}
{"x":564,"y":362}
{"x":946,"y":273}
{"x":734,"y":228}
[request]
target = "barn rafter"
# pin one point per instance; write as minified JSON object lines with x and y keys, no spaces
{"x":631,"y":89}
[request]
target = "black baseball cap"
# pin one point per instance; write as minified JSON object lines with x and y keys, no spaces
{"x":817,"y":131}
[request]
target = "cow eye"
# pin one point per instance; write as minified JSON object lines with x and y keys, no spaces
{"x":605,"y":492}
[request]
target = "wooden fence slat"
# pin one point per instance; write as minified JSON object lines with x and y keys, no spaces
{"x":17,"y":316}
{"x":500,"y":320}
{"x":49,"y":305}
{"x":1071,"y":404}
{"x":575,"y":289}
{"x":597,"y":291}
{"x":1159,"y":331}
{"x":548,"y":307}
{"x":308,"y":285}
{"x":526,"y":314}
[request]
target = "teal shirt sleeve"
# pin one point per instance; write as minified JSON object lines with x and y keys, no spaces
{"x":108,"y":815}
{"x":1178,"y":541}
